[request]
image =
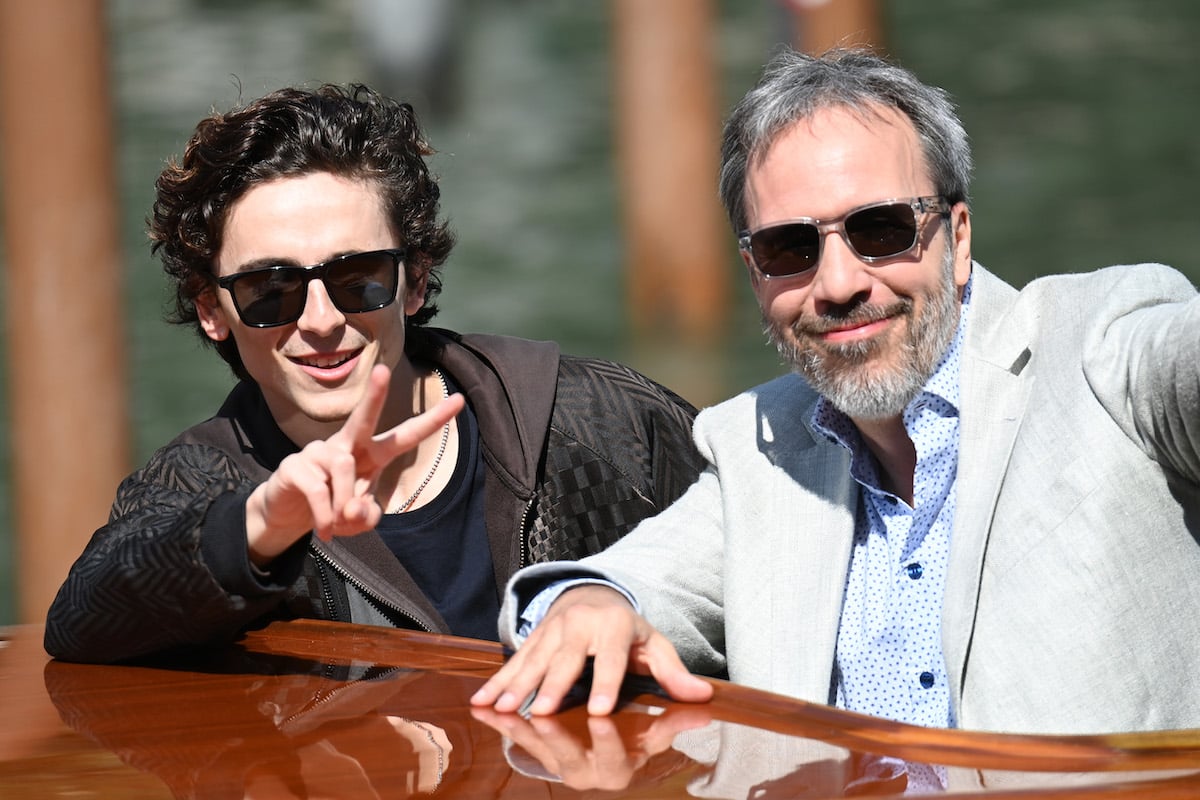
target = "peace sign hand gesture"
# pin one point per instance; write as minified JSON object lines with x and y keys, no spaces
{"x":329,"y":486}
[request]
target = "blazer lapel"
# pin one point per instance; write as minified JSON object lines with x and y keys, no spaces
{"x":995,"y":391}
{"x":812,"y":575}
{"x":803,"y":550}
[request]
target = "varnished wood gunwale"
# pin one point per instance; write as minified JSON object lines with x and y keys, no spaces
{"x":117,"y":727}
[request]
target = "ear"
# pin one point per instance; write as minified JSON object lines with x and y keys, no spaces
{"x":414,"y":294}
{"x":960,"y":224}
{"x":212,"y":316}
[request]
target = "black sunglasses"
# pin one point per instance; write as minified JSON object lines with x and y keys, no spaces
{"x":886,"y":229}
{"x":356,"y":283}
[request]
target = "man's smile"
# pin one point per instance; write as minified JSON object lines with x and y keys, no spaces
{"x":328,"y":365}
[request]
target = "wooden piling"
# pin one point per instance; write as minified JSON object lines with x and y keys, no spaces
{"x":65,"y":312}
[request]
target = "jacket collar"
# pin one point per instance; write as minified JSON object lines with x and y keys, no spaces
{"x":511,"y":384}
{"x":255,"y":430}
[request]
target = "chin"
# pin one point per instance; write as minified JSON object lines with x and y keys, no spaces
{"x":327,"y":412}
{"x":328,"y":406}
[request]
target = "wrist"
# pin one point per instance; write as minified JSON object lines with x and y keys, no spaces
{"x":264,"y":543}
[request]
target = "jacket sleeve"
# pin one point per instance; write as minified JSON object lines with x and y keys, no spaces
{"x":1142,"y":360}
{"x":171,"y":568}
{"x":670,"y":565}
{"x":620,"y":450}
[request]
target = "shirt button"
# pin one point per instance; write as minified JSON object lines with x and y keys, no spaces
{"x":926,"y":679}
{"x":914,"y":570}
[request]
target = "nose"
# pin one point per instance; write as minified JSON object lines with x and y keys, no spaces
{"x":841,"y":277}
{"x":320,"y":315}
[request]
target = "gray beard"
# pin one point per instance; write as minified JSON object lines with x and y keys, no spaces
{"x":846,"y":376}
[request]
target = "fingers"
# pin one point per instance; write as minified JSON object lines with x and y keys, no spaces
{"x":651,"y":654}
{"x":342,"y":477}
{"x":328,"y":487}
{"x":349,"y":462}
{"x":608,"y":673}
{"x":358,"y":435}
{"x":364,"y":419}
{"x":588,"y":622}
{"x":551,"y":661}
{"x":522,"y":676}
{"x":315,"y":489}
{"x":519,"y":678}
{"x":580,"y":623}
{"x":565,"y":667}
{"x":322,"y":477}
{"x":396,"y":441}
{"x":661,"y":660}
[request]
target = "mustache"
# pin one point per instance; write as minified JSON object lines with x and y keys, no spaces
{"x":850,"y":316}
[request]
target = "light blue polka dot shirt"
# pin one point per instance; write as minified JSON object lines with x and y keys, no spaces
{"x":889,"y":649}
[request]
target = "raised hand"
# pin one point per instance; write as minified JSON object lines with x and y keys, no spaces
{"x":328,"y":487}
{"x":588,"y":621}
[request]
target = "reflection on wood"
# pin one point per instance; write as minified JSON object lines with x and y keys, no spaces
{"x":325,"y":709}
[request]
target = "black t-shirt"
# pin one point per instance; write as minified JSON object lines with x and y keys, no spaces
{"x":444,"y":545}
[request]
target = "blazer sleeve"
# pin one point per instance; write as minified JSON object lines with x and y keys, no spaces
{"x":1142,"y":359}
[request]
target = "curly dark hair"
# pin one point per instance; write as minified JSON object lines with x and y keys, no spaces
{"x":349,"y":131}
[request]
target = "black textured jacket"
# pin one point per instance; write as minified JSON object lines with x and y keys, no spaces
{"x":577,"y":451}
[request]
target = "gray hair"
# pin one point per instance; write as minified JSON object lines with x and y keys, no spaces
{"x":794,"y":86}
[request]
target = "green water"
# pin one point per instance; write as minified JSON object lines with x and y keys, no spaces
{"x":1081,"y":113}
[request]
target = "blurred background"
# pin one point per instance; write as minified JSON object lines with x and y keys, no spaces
{"x":1081,"y":112}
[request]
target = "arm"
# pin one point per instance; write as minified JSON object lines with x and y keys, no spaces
{"x":169,"y":568}
{"x":193,"y":552}
{"x":1143,"y":362}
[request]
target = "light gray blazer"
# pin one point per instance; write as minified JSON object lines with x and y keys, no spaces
{"x":1073,"y":592}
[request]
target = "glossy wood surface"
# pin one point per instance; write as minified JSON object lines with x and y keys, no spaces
{"x":310,"y":709}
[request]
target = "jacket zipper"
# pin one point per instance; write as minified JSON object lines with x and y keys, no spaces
{"x":362,"y":587}
{"x":523,"y":535}
{"x":323,"y":696}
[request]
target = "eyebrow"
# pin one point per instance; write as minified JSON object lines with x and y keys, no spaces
{"x":270,"y":261}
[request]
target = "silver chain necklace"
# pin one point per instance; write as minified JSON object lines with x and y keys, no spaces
{"x":441,"y":753}
{"x":437,"y":460}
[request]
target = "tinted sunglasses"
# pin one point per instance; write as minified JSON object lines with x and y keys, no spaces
{"x":886,"y":229}
{"x":355,"y":283}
